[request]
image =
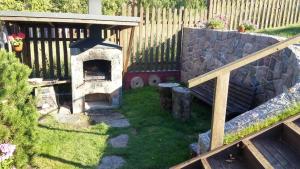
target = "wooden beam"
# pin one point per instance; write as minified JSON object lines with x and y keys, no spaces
{"x":243,"y":61}
{"x":205,"y":163}
{"x":128,"y":53}
{"x":219,"y":111}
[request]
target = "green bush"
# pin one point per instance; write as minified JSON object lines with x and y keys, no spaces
{"x":18,"y":115}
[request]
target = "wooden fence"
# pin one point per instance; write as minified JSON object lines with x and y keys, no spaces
{"x":264,"y":13}
{"x":157,"y":40}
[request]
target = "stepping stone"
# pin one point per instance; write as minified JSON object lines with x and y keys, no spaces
{"x":65,"y":116}
{"x":119,"y":141}
{"x":113,"y":119}
{"x":111,"y":162}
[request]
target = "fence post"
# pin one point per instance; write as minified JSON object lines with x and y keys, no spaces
{"x":219,"y":111}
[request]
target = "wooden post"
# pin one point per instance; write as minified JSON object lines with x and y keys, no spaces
{"x":219,"y":111}
{"x":128,"y":53}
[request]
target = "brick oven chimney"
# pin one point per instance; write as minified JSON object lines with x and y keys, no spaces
{"x":95,"y":8}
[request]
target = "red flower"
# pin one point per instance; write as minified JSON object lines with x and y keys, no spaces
{"x":21,"y":35}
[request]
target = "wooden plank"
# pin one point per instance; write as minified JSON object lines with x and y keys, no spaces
{"x":218,"y":150}
{"x":284,"y":13}
{"x":152,"y":34}
{"x":297,"y":15}
{"x":233,"y":14}
{"x":276,"y":15}
{"x":293,"y":10}
{"x":141,"y":37}
{"x":259,"y":14}
{"x":243,"y":61}
{"x":267,"y":21}
{"x":289,"y":12}
{"x":135,"y":38}
{"x":35,"y":50}
{"x":50,"y":48}
{"x":146,"y":35}
{"x":273,"y":13}
{"x":246,"y":10}
{"x":242,"y":12}
{"x":210,"y":9}
{"x":158,"y":38}
{"x":128,"y":52}
{"x":255,"y":152}
{"x":264,"y":13}
{"x":65,"y":50}
{"x":43,"y":52}
{"x":174,"y":33}
{"x":168,"y":40}
{"x":219,"y":111}
{"x":255,"y":11}
{"x":57,"y":49}
{"x":163,"y":39}
{"x":205,"y":163}
{"x":251,"y":14}
{"x":28,"y":56}
{"x":179,"y":37}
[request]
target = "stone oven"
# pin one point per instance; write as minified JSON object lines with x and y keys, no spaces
{"x":96,"y":76}
{"x":96,"y":64}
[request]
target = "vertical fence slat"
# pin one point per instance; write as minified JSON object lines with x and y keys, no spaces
{"x":158,"y":38}
{"x":152,"y":34}
{"x":162,"y":52}
{"x":50,"y":48}
{"x":289,"y":12}
{"x":174,"y":29}
{"x":276,"y":15}
{"x":43,"y":52}
{"x":28,"y":56}
{"x":264,"y":11}
{"x":297,"y":15}
{"x":58,"y":66}
{"x":135,"y":42}
{"x":179,"y":35}
{"x":246,"y":13}
{"x":285,"y":4}
{"x":169,"y":31}
{"x":241,"y":10}
{"x":146,"y":60}
{"x":65,"y":50}
{"x":35,"y":50}
{"x":293,"y":9}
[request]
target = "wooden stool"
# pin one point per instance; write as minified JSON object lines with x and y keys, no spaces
{"x":182,"y":101}
{"x":165,"y":91}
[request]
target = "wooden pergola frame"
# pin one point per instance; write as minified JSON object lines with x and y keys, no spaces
{"x":106,"y":22}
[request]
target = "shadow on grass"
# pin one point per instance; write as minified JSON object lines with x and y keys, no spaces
{"x":66,"y":130}
{"x":65,"y":161}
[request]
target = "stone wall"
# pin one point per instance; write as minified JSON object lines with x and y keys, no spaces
{"x":276,"y":77}
{"x":205,"y":50}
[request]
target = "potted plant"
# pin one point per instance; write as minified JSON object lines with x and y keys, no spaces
{"x":247,"y":26}
{"x":218,"y":22}
{"x":16,"y":40}
{"x":241,"y":28}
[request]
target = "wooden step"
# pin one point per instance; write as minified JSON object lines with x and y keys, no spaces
{"x":256,"y":153}
{"x":279,"y":146}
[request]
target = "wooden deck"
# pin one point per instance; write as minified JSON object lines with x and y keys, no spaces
{"x":275,"y":147}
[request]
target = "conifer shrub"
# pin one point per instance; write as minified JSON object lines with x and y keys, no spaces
{"x":18,"y":115}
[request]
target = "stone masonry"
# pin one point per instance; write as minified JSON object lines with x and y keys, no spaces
{"x":205,"y":50}
{"x":276,"y":78}
{"x":80,"y":87}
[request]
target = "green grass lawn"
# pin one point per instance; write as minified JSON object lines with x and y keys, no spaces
{"x":288,"y":31}
{"x":156,"y":140}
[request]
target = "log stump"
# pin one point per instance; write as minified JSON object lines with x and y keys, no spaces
{"x":182,"y":101}
{"x":165,"y":92}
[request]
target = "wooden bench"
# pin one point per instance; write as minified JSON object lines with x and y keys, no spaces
{"x":240,"y":98}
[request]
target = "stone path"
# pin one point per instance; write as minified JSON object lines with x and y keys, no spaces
{"x":117,"y":120}
{"x":111,"y":162}
{"x":113,"y":119}
{"x":119,"y":141}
